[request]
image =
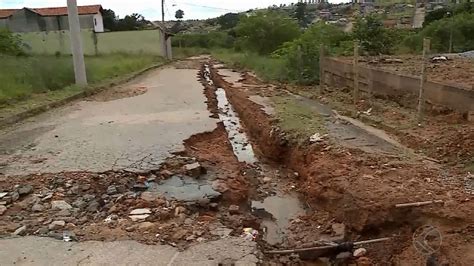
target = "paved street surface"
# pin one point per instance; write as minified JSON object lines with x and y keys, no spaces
{"x":135,"y":133}
{"x":46,"y":251}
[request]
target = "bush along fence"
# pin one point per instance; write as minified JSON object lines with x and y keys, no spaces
{"x":411,"y":91}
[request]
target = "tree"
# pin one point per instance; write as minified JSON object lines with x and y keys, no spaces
{"x":130,"y":22}
{"x":10,"y":43}
{"x":301,"y":14}
{"x":179,"y":14}
{"x":265,"y":31}
{"x":134,"y":21}
{"x":373,"y":37}
{"x":110,"y":19}
{"x":228,"y":21}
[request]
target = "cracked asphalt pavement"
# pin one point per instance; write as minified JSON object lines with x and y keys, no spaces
{"x":134,"y":133}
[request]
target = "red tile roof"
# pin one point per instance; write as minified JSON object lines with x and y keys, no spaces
{"x":54,"y":11}
{"x":5,"y":13}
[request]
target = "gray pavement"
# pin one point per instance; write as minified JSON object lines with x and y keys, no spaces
{"x":48,"y":252}
{"x":135,"y":133}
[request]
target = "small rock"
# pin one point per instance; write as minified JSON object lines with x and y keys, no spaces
{"x":188,"y":221}
{"x":267,"y":179}
{"x":149,"y":196}
{"x":179,"y":234}
{"x":140,"y":211}
{"x":194,"y":169}
{"x":55,"y":225}
{"x":234,"y":209}
{"x":219,"y":186}
{"x":79,"y":203}
{"x":25,"y":189}
{"x":111,"y":190}
{"x":42,"y":231}
{"x":139,"y":217}
{"x":360,"y":252}
{"x":88,"y":197}
{"x":93,"y":206}
{"x":55,"y":235}
{"x":63,"y":213}
{"x":3,"y":194}
{"x":3,"y":209}
{"x":145,"y":225}
{"x":139,"y":187}
{"x":60,"y":205}
{"x":3,"y":203}
{"x":37,"y":207}
{"x":166,"y":173}
{"x":85,"y":187}
{"x":179,"y":210}
{"x":74,"y":190}
{"x":15,"y":196}
{"x":214,"y":206}
{"x":190,"y":238}
{"x":20,"y":231}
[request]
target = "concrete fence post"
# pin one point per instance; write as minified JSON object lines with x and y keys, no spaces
{"x":421,"y":96}
{"x":76,"y":43}
{"x":321,"y":69}
{"x":356,"y":71}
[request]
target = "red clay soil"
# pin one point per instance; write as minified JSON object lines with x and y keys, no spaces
{"x":361,"y":190}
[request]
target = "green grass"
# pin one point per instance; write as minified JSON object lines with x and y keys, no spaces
{"x":24,"y":77}
{"x":29,"y":82}
{"x":297,"y":120}
{"x":267,"y":68}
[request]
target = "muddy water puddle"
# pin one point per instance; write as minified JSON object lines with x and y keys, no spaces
{"x":277,"y":212}
{"x":241,"y":146}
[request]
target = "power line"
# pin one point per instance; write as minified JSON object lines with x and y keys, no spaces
{"x":209,"y":7}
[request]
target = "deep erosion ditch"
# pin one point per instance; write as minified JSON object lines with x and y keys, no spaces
{"x":358,"y":190}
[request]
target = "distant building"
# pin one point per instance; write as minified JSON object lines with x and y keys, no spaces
{"x":313,"y":1}
{"x":50,"y":19}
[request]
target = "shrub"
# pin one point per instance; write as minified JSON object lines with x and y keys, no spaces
{"x":9,"y":43}
{"x":301,"y":56}
{"x":265,"y":31}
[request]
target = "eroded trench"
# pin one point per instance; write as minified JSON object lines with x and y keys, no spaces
{"x":327,"y":212}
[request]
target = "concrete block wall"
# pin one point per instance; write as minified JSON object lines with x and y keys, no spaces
{"x":404,"y":87}
{"x":134,"y":42}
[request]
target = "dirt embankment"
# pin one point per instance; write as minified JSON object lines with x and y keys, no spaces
{"x":361,"y":190}
{"x":455,"y":70}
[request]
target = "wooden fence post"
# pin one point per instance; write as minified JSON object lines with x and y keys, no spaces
{"x":356,"y":71}
{"x":421,"y":96}
{"x":321,"y":69}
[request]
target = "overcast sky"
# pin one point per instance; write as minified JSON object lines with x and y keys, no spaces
{"x":151,"y":9}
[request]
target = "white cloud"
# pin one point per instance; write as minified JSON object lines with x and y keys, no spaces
{"x":151,"y":9}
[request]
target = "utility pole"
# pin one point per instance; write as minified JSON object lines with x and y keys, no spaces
{"x":76,"y":43}
{"x":163,"y":11}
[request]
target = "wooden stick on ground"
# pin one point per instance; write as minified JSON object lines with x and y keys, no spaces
{"x":289,"y":251}
{"x":416,"y":204}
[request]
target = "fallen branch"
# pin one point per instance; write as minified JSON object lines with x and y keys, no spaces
{"x":289,"y":251}
{"x":416,"y":204}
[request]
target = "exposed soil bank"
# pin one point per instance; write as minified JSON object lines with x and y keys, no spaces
{"x":361,"y":190}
